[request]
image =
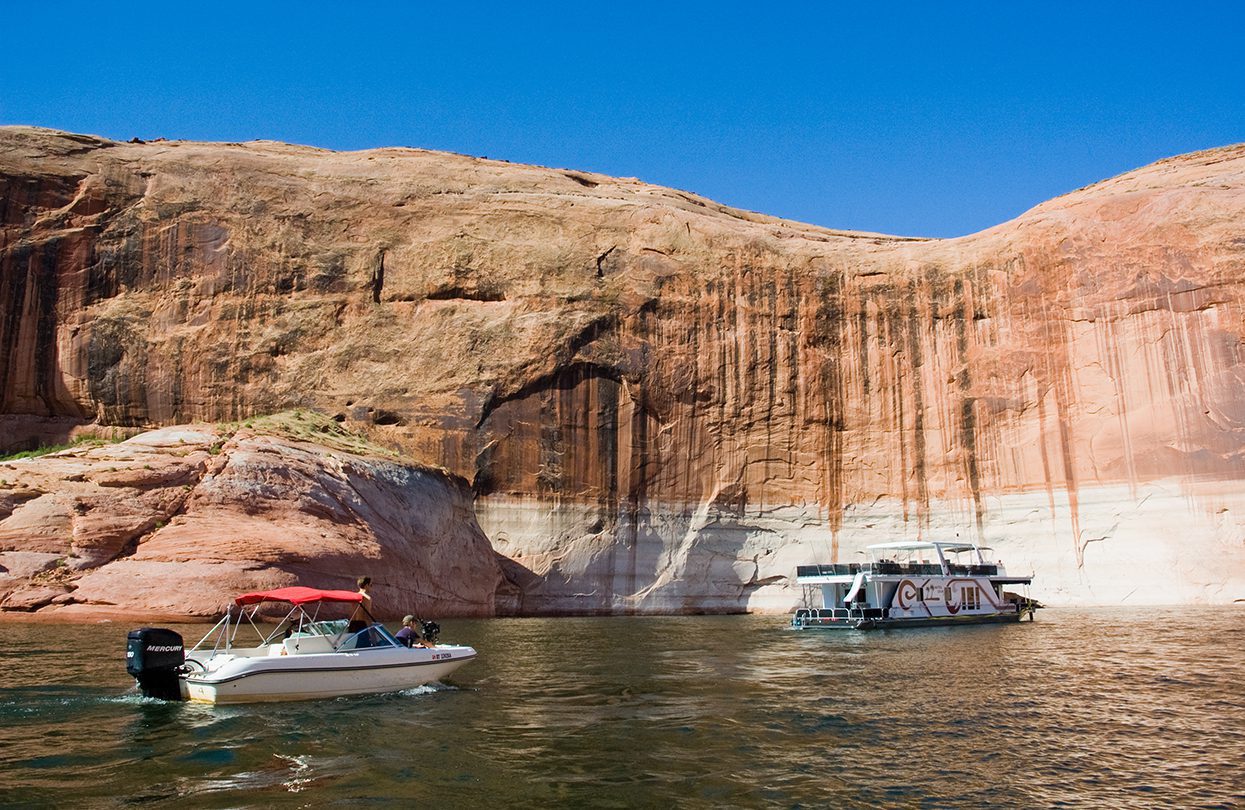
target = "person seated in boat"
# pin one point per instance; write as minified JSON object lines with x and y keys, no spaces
{"x":362,"y":615}
{"x":408,"y":635}
{"x":411,"y":636}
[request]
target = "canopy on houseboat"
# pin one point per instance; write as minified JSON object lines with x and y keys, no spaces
{"x":953,"y":547}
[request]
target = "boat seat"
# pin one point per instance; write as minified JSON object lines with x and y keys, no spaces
{"x":304,"y":645}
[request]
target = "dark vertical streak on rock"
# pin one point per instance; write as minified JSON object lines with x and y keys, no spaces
{"x":831,"y":327}
{"x":176,"y":383}
{"x":968,"y":416}
{"x":862,"y":344}
{"x":637,"y":492}
{"x":721,"y":361}
{"x":45,"y":326}
{"x":1062,"y":388}
{"x":14,"y":275}
{"x":601,"y":261}
{"x":916,"y":363}
{"x":378,"y":278}
{"x":772,"y":371}
{"x":607,"y":439}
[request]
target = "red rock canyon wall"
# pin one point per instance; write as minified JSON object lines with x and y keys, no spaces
{"x":664,"y":404}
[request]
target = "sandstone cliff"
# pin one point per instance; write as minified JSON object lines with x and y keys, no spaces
{"x":663,"y":404}
{"x":173,"y":523}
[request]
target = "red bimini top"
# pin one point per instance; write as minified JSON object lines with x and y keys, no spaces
{"x":297,"y":595}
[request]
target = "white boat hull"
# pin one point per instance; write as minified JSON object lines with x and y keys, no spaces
{"x":250,"y":679}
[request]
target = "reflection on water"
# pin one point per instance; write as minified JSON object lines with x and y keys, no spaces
{"x":1087,"y":708}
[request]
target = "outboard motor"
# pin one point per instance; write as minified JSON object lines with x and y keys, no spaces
{"x":154,"y":656}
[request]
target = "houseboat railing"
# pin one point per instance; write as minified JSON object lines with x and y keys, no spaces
{"x":926,"y":569}
{"x":813,"y":616}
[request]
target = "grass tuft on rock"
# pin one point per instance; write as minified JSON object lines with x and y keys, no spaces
{"x":85,"y":440}
{"x":310,"y":426}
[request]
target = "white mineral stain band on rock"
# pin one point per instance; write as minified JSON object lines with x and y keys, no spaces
{"x":1162,"y":543}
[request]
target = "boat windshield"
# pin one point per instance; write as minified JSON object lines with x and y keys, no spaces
{"x":330,"y":628}
{"x":370,"y":637}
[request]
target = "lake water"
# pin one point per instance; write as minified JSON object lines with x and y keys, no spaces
{"x":1081,"y":708}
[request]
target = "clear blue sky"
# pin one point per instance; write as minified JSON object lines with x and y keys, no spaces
{"x":928,"y":119}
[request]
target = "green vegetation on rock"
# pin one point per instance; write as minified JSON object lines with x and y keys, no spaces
{"x":89,"y":439}
{"x":310,"y":426}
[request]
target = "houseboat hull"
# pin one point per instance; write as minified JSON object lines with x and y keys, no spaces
{"x":856,"y":623}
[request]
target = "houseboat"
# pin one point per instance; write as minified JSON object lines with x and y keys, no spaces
{"x":922,"y":584}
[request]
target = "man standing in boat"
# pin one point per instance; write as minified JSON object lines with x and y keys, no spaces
{"x":362,"y":615}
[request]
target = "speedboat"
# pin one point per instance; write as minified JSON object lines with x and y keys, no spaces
{"x":301,"y":658}
{"x":921,"y":584}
